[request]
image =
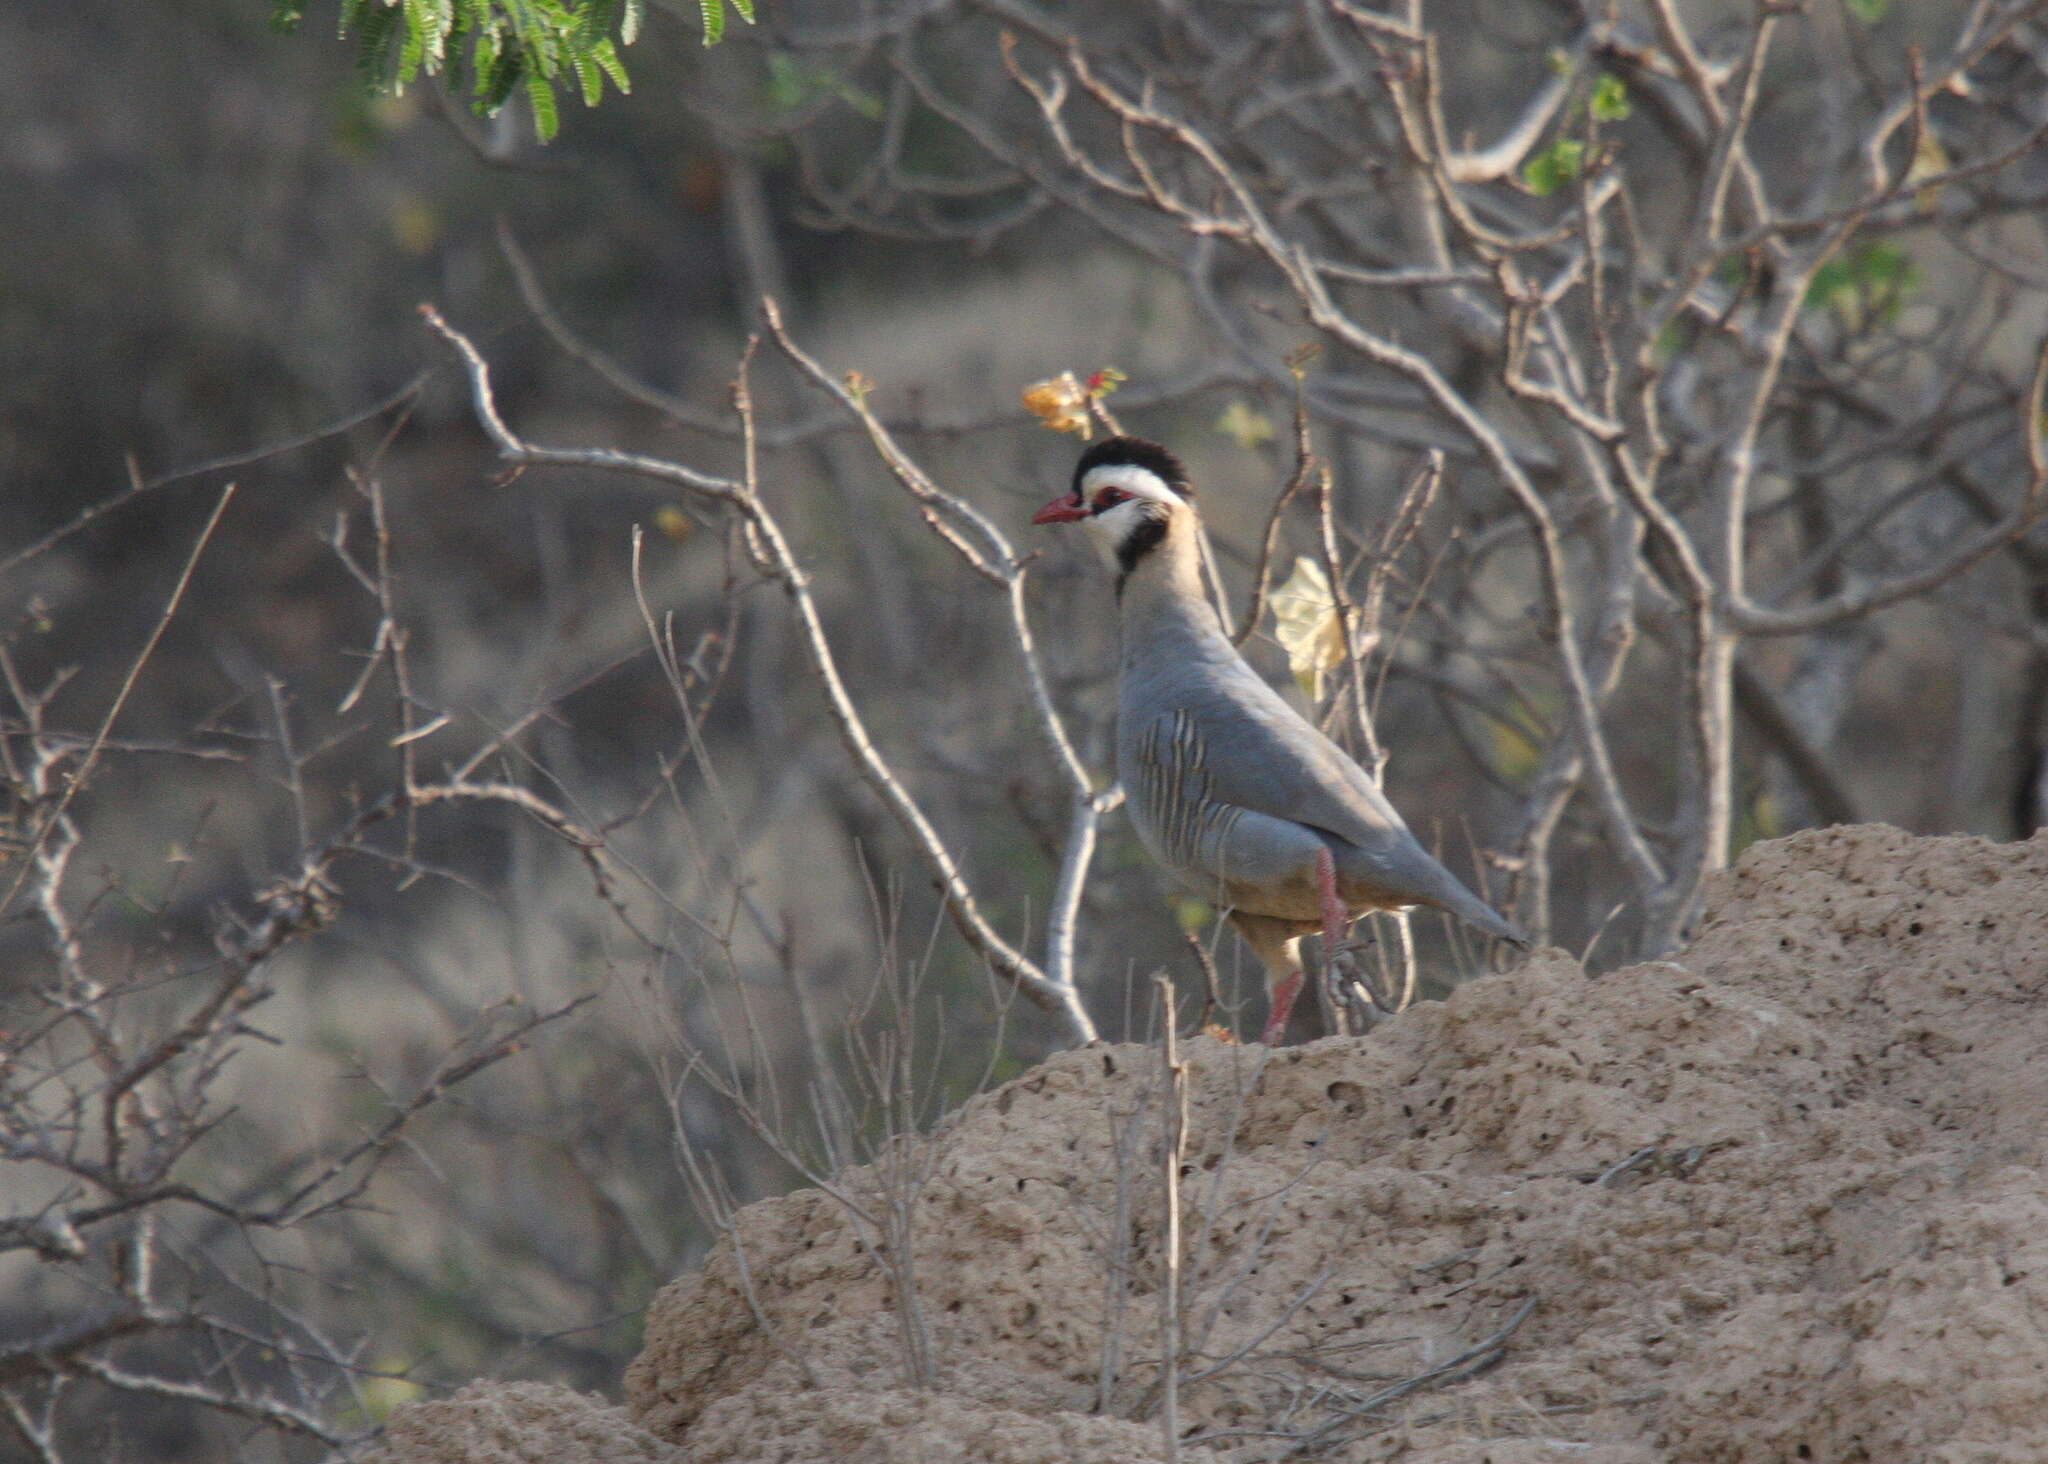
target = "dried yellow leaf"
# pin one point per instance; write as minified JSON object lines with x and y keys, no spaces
{"x":1930,"y":160}
{"x":1060,"y":403}
{"x":1306,"y":625}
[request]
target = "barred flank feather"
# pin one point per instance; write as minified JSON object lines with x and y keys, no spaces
{"x":1180,"y":793}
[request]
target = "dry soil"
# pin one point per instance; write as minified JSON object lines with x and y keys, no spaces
{"x":1778,"y":1198}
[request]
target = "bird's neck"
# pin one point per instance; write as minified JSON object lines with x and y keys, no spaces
{"x":1161,"y":593}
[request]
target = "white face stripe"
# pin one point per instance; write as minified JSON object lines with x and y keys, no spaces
{"x":1113,"y":526}
{"x":1134,"y":480}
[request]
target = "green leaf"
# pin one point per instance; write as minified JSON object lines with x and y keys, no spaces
{"x":608,"y":58}
{"x":500,"y":67}
{"x":285,"y":15}
{"x":441,"y":18}
{"x":382,"y":30}
{"x":538,"y":44}
{"x":1554,"y":167}
{"x":595,"y":21}
{"x":713,"y":12}
{"x":1866,"y":284}
{"x":484,"y":54}
{"x":540,"y":26}
{"x":412,"y":51}
{"x":1870,"y":12}
{"x":525,"y":24}
{"x":1610,"y":98}
{"x":540,"y":95}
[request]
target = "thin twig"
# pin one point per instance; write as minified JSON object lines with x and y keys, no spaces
{"x":776,"y":559}
{"x":1262,"y":570}
{"x":1173,"y":1149}
{"x":50,"y":820}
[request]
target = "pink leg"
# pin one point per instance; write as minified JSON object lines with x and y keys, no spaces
{"x":1279,"y":1002}
{"x":1335,"y":917}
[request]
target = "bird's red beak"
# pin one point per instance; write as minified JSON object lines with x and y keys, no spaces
{"x":1062,"y":510}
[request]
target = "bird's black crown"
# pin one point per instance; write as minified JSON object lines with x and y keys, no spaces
{"x":1137,"y":452}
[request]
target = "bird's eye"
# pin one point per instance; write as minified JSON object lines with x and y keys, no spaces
{"x":1110,"y":498}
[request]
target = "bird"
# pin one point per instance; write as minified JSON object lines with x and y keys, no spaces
{"x":1243,"y":800}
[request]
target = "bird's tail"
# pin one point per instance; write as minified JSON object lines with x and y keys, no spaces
{"x":1410,"y":873}
{"x":1475,"y":912}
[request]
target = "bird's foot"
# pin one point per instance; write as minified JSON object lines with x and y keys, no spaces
{"x":1279,"y":1003}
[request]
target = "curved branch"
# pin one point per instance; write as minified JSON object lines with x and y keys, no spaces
{"x":779,"y":562}
{"x":1753,"y":619}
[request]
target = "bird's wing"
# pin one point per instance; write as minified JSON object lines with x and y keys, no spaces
{"x":1196,"y":829}
{"x":1260,"y":754}
{"x":1238,"y":788}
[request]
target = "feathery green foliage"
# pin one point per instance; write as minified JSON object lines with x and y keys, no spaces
{"x":499,"y":46}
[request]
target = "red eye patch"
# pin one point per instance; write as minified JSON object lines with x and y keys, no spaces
{"x":1110,"y":498}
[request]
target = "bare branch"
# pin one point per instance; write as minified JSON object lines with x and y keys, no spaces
{"x":139,"y":486}
{"x":1851,"y":604}
{"x":778,"y":560}
{"x":50,"y":821}
{"x":1262,"y":569}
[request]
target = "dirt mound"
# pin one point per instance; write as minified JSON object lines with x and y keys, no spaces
{"x":520,"y":1423}
{"x":1780,"y":1198}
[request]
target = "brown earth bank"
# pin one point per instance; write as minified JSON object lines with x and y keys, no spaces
{"x":1780,"y":1197}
